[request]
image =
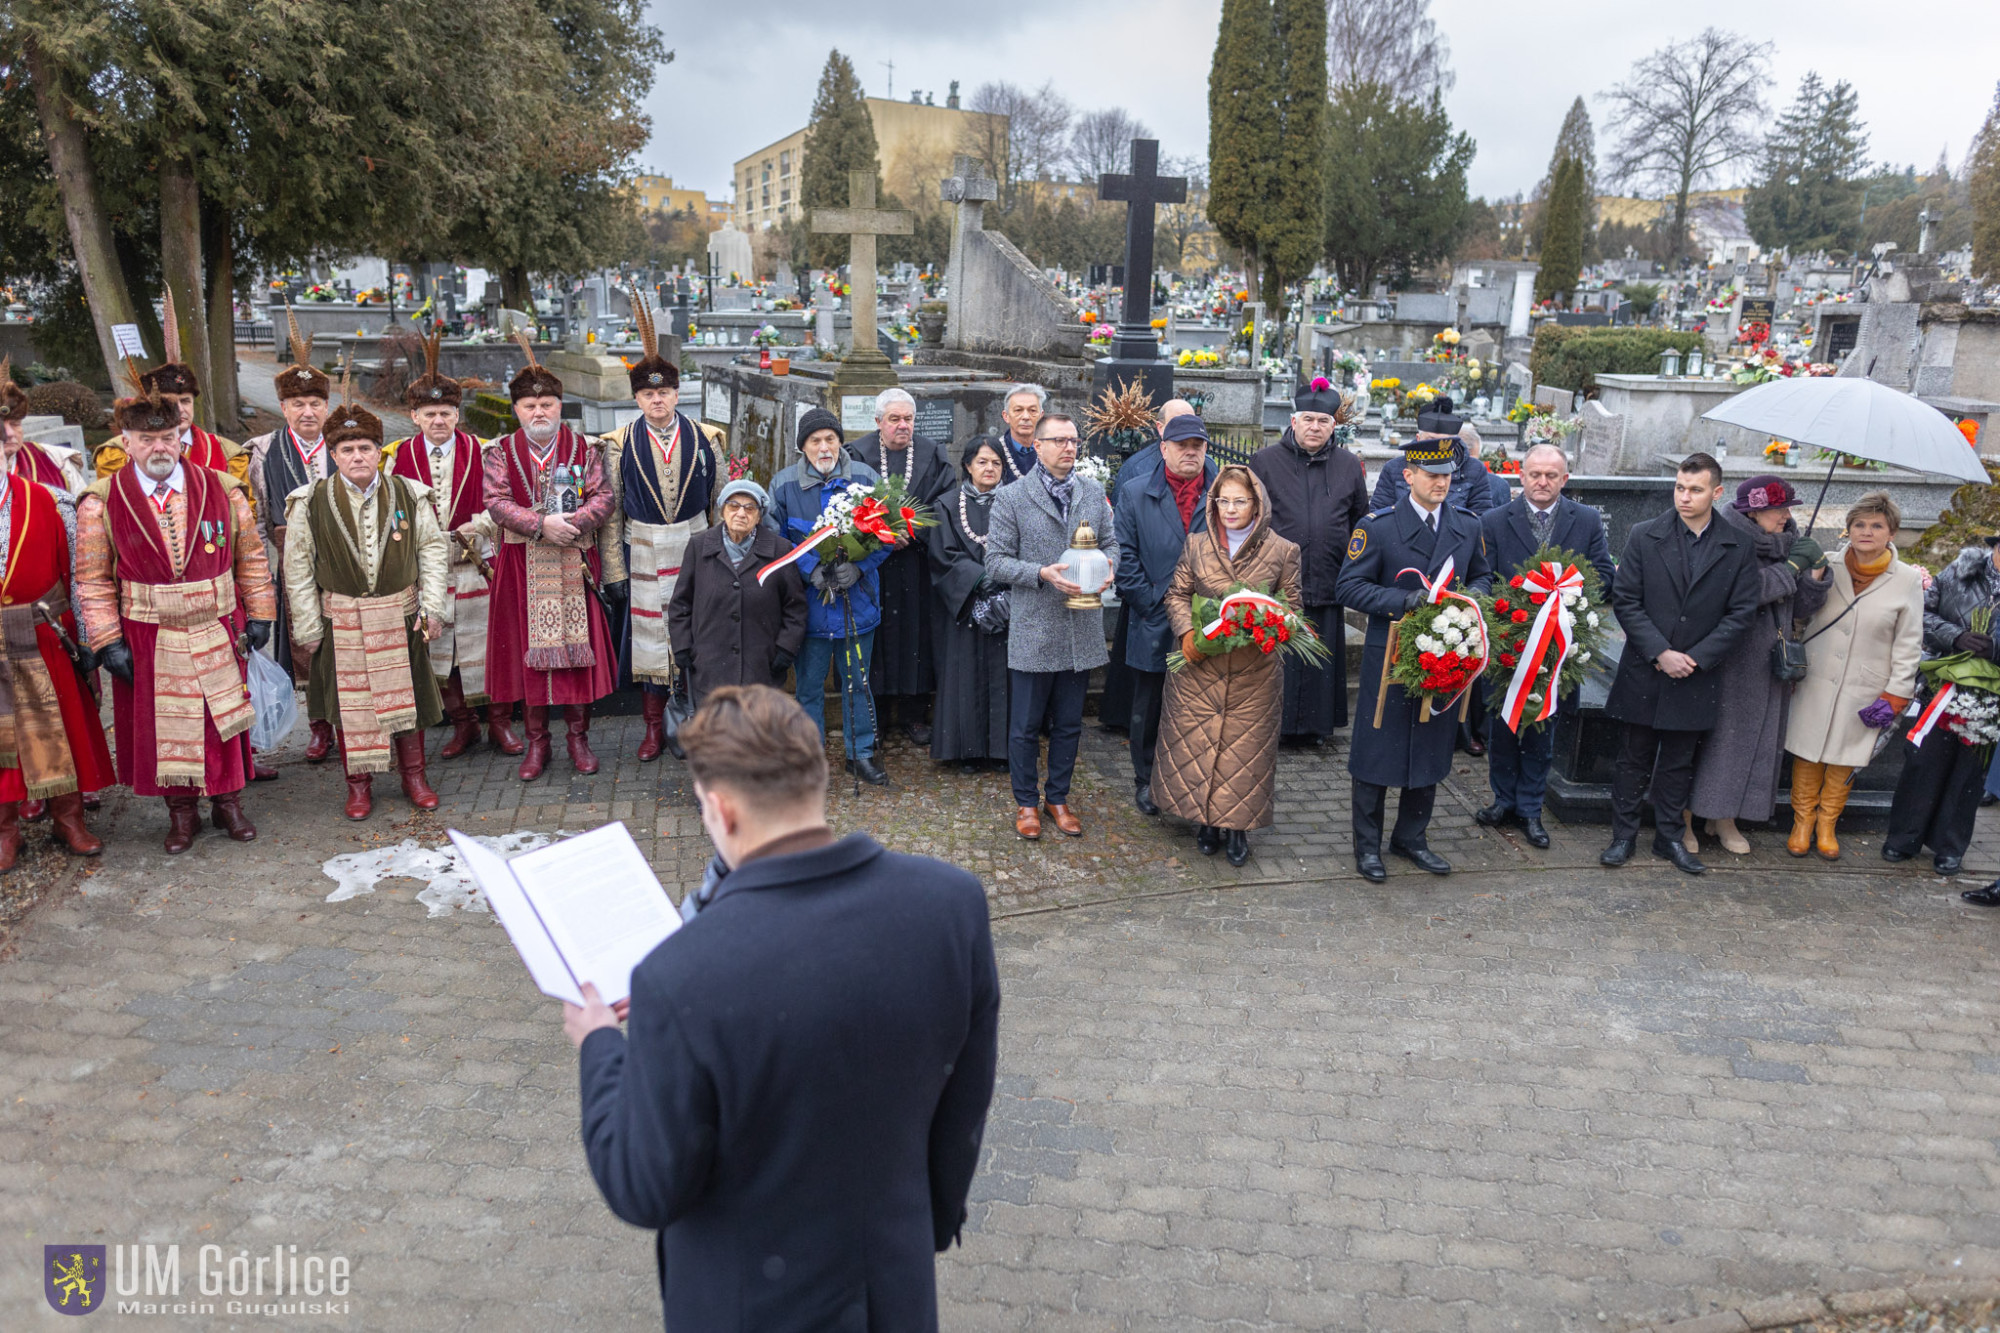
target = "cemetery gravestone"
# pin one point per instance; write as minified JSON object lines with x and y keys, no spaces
{"x":1135,"y":348}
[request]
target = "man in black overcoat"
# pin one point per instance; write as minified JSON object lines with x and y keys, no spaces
{"x":1420,"y":532}
{"x":1319,"y":495}
{"x":902,"y":671}
{"x":1518,"y":765}
{"x":799,"y":1105}
{"x":1685,"y":591}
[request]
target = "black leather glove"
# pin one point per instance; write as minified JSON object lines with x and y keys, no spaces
{"x":117,"y":659}
{"x":1805,"y":554}
{"x":684,"y":660}
{"x":1414,"y":600}
{"x":845,"y":576}
{"x":257,"y":633}
{"x":618,"y":593}
{"x":781,"y":662}
{"x":1980,"y":645}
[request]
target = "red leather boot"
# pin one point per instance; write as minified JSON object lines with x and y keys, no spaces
{"x":360,"y":786}
{"x":655,"y":740}
{"x":537,"y":757}
{"x":500,"y":729}
{"x":464,"y":723}
{"x":321,"y":744}
{"x":578,"y":718}
{"x":34,"y":812}
{"x":410,"y":763}
{"x":67,"y":811}
{"x":226,"y":813}
{"x":183,"y":819}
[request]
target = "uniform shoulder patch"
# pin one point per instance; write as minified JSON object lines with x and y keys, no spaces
{"x":1383,"y":512}
{"x":1357,"y":543}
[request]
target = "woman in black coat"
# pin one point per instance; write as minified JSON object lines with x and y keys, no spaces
{"x":726,"y":628}
{"x":969,"y":723}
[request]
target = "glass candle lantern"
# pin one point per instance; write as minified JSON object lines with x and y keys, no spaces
{"x":1088,"y":569}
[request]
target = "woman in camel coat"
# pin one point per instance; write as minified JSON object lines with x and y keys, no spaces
{"x":1218,"y":759}
{"x":1862,"y":650}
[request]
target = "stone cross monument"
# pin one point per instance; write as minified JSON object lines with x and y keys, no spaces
{"x":971,"y":190}
{"x":865,"y":370}
{"x":1135,"y":347}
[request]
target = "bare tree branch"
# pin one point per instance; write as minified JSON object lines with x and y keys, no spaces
{"x":1394,"y":43}
{"x":1101,"y":141}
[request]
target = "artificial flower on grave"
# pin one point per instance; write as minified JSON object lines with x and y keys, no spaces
{"x":1777,"y":449}
{"x":1089,"y":317}
{"x":319,"y":291}
{"x":856,"y":522}
{"x":1970,"y":430}
{"x":1965,"y":697}
{"x":1438,"y":650}
{"x":1100,"y":335}
{"x":1250,"y":618}
{"x":1097,"y":469}
{"x":1524,"y":411}
{"x":1546,"y":627}
{"x":1849,"y":460}
{"x":1549,"y":429}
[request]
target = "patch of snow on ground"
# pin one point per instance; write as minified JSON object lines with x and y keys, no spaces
{"x":448,"y":884}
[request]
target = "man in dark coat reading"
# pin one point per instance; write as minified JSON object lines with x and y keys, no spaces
{"x":799,"y":1103}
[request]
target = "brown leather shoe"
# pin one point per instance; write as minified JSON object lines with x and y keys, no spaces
{"x":34,"y":812}
{"x":577,"y":716}
{"x":226,"y":813}
{"x":67,"y":812}
{"x":1070,"y":825}
{"x":183,"y":820}
{"x":1027,"y":822}
{"x":261,"y":771}
{"x":360,"y":796}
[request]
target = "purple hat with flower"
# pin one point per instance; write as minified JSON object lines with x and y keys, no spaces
{"x":1765,"y":492}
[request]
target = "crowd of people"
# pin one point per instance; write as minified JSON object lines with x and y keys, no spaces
{"x":444,"y":578}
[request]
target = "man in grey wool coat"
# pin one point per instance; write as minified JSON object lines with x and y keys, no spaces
{"x":1050,"y":648}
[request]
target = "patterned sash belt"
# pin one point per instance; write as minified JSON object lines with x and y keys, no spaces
{"x":195,"y":671}
{"x":655,"y":562}
{"x":371,"y":671}
{"x":32,"y":738}
{"x":558,"y":606}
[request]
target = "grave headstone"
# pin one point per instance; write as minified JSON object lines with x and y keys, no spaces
{"x":934,"y":419}
{"x":1426,"y":308}
{"x":1001,"y":304}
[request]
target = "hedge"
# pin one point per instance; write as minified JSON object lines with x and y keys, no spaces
{"x":1572,"y":358}
{"x":491,"y":416}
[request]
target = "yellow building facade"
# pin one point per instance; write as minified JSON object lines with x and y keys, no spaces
{"x":660,"y":193}
{"x":915,"y":145}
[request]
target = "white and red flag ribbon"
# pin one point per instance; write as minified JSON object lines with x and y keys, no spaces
{"x":1554,"y":627}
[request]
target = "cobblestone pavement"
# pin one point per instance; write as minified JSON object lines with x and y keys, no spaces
{"x":1534,"y":1095}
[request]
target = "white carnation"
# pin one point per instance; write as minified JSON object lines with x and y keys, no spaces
{"x":1591,"y":620}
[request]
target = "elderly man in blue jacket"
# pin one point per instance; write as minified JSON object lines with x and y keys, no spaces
{"x":1158,"y":506}
{"x":799,"y":1104}
{"x":844,"y":600}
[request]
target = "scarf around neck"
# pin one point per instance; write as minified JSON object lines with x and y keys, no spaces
{"x":1865,"y":573}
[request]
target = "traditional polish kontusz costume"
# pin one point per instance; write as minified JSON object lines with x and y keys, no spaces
{"x":663,"y":483}
{"x":548,"y":644}
{"x":53,"y":466}
{"x":51,"y":743}
{"x":175,"y":570}
{"x":363,"y":571}
{"x":454,"y":473}
{"x":280,"y":463}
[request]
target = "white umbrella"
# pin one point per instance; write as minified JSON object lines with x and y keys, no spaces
{"x":1856,"y":416}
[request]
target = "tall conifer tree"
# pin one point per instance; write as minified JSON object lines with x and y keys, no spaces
{"x":840,"y":138}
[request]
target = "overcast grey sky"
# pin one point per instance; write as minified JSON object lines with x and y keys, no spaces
{"x":745,"y":74}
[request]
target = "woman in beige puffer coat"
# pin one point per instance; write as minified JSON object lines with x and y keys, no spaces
{"x":1218,"y":757}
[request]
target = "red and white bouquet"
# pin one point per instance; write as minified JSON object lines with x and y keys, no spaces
{"x":1546,"y":630}
{"x":1247,"y":618}
{"x":856,"y":522}
{"x":1440,"y":648}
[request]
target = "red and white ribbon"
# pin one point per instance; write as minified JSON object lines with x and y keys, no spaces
{"x":1236,"y":599}
{"x":792,"y":557}
{"x":1932,"y":714}
{"x":1554,"y":627}
{"x":1435,"y":592}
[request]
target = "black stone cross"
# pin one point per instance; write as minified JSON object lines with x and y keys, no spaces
{"x":1141,"y":190}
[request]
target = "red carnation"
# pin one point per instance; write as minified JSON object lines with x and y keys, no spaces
{"x":1538,"y":597}
{"x":1500,"y":605}
{"x":1517,"y":582}
{"x":1506,"y":659}
{"x":1520,"y":617}
{"x":1451,"y":659}
{"x":1284,"y":635}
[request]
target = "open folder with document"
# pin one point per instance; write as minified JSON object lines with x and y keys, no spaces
{"x":584,"y":909}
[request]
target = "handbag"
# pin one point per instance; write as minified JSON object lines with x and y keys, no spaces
{"x":990,"y":610}
{"x":680,"y":705}
{"x":1788,"y":658}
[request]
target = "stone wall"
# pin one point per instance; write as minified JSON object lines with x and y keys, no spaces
{"x":1002,"y":305}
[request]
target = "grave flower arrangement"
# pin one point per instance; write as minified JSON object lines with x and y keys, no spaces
{"x":1439,"y":649}
{"x":1246,"y":617}
{"x":1205,"y":356}
{"x":319,"y":291}
{"x":1546,"y":629}
{"x":856,"y":522}
{"x":1548,"y":429}
{"x":1097,"y":469}
{"x":767,"y":335}
{"x":1966,"y":692}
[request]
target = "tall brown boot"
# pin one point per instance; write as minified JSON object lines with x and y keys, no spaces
{"x":500,"y":729}
{"x":321,"y":744}
{"x":1832,"y":800}
{"x":67,"y":811}
{"x":1807,"y":780}
{"x":578,"y":718}
{"x":654,"y":709}
{"x":410,"y":763}
{"x":12,"y":840}
{"x":226,"y":813}
{"x":537,"y":758}
{"x":183,"y":819}
{"x":464,"y":722}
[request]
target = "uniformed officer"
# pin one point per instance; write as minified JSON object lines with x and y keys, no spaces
{"x":1419,"y":532}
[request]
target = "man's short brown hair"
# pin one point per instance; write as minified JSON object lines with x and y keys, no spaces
{"x":759,"y":743}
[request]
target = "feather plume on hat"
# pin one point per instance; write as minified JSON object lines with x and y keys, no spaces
{"x":533,"y":381}
{"x":350,"y":421}
{"x":651,"y":371}
{"x":432,"y":389}
{"x":300,"y":379}
{"x":144,"y":409}
{"x":172,"y":375}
